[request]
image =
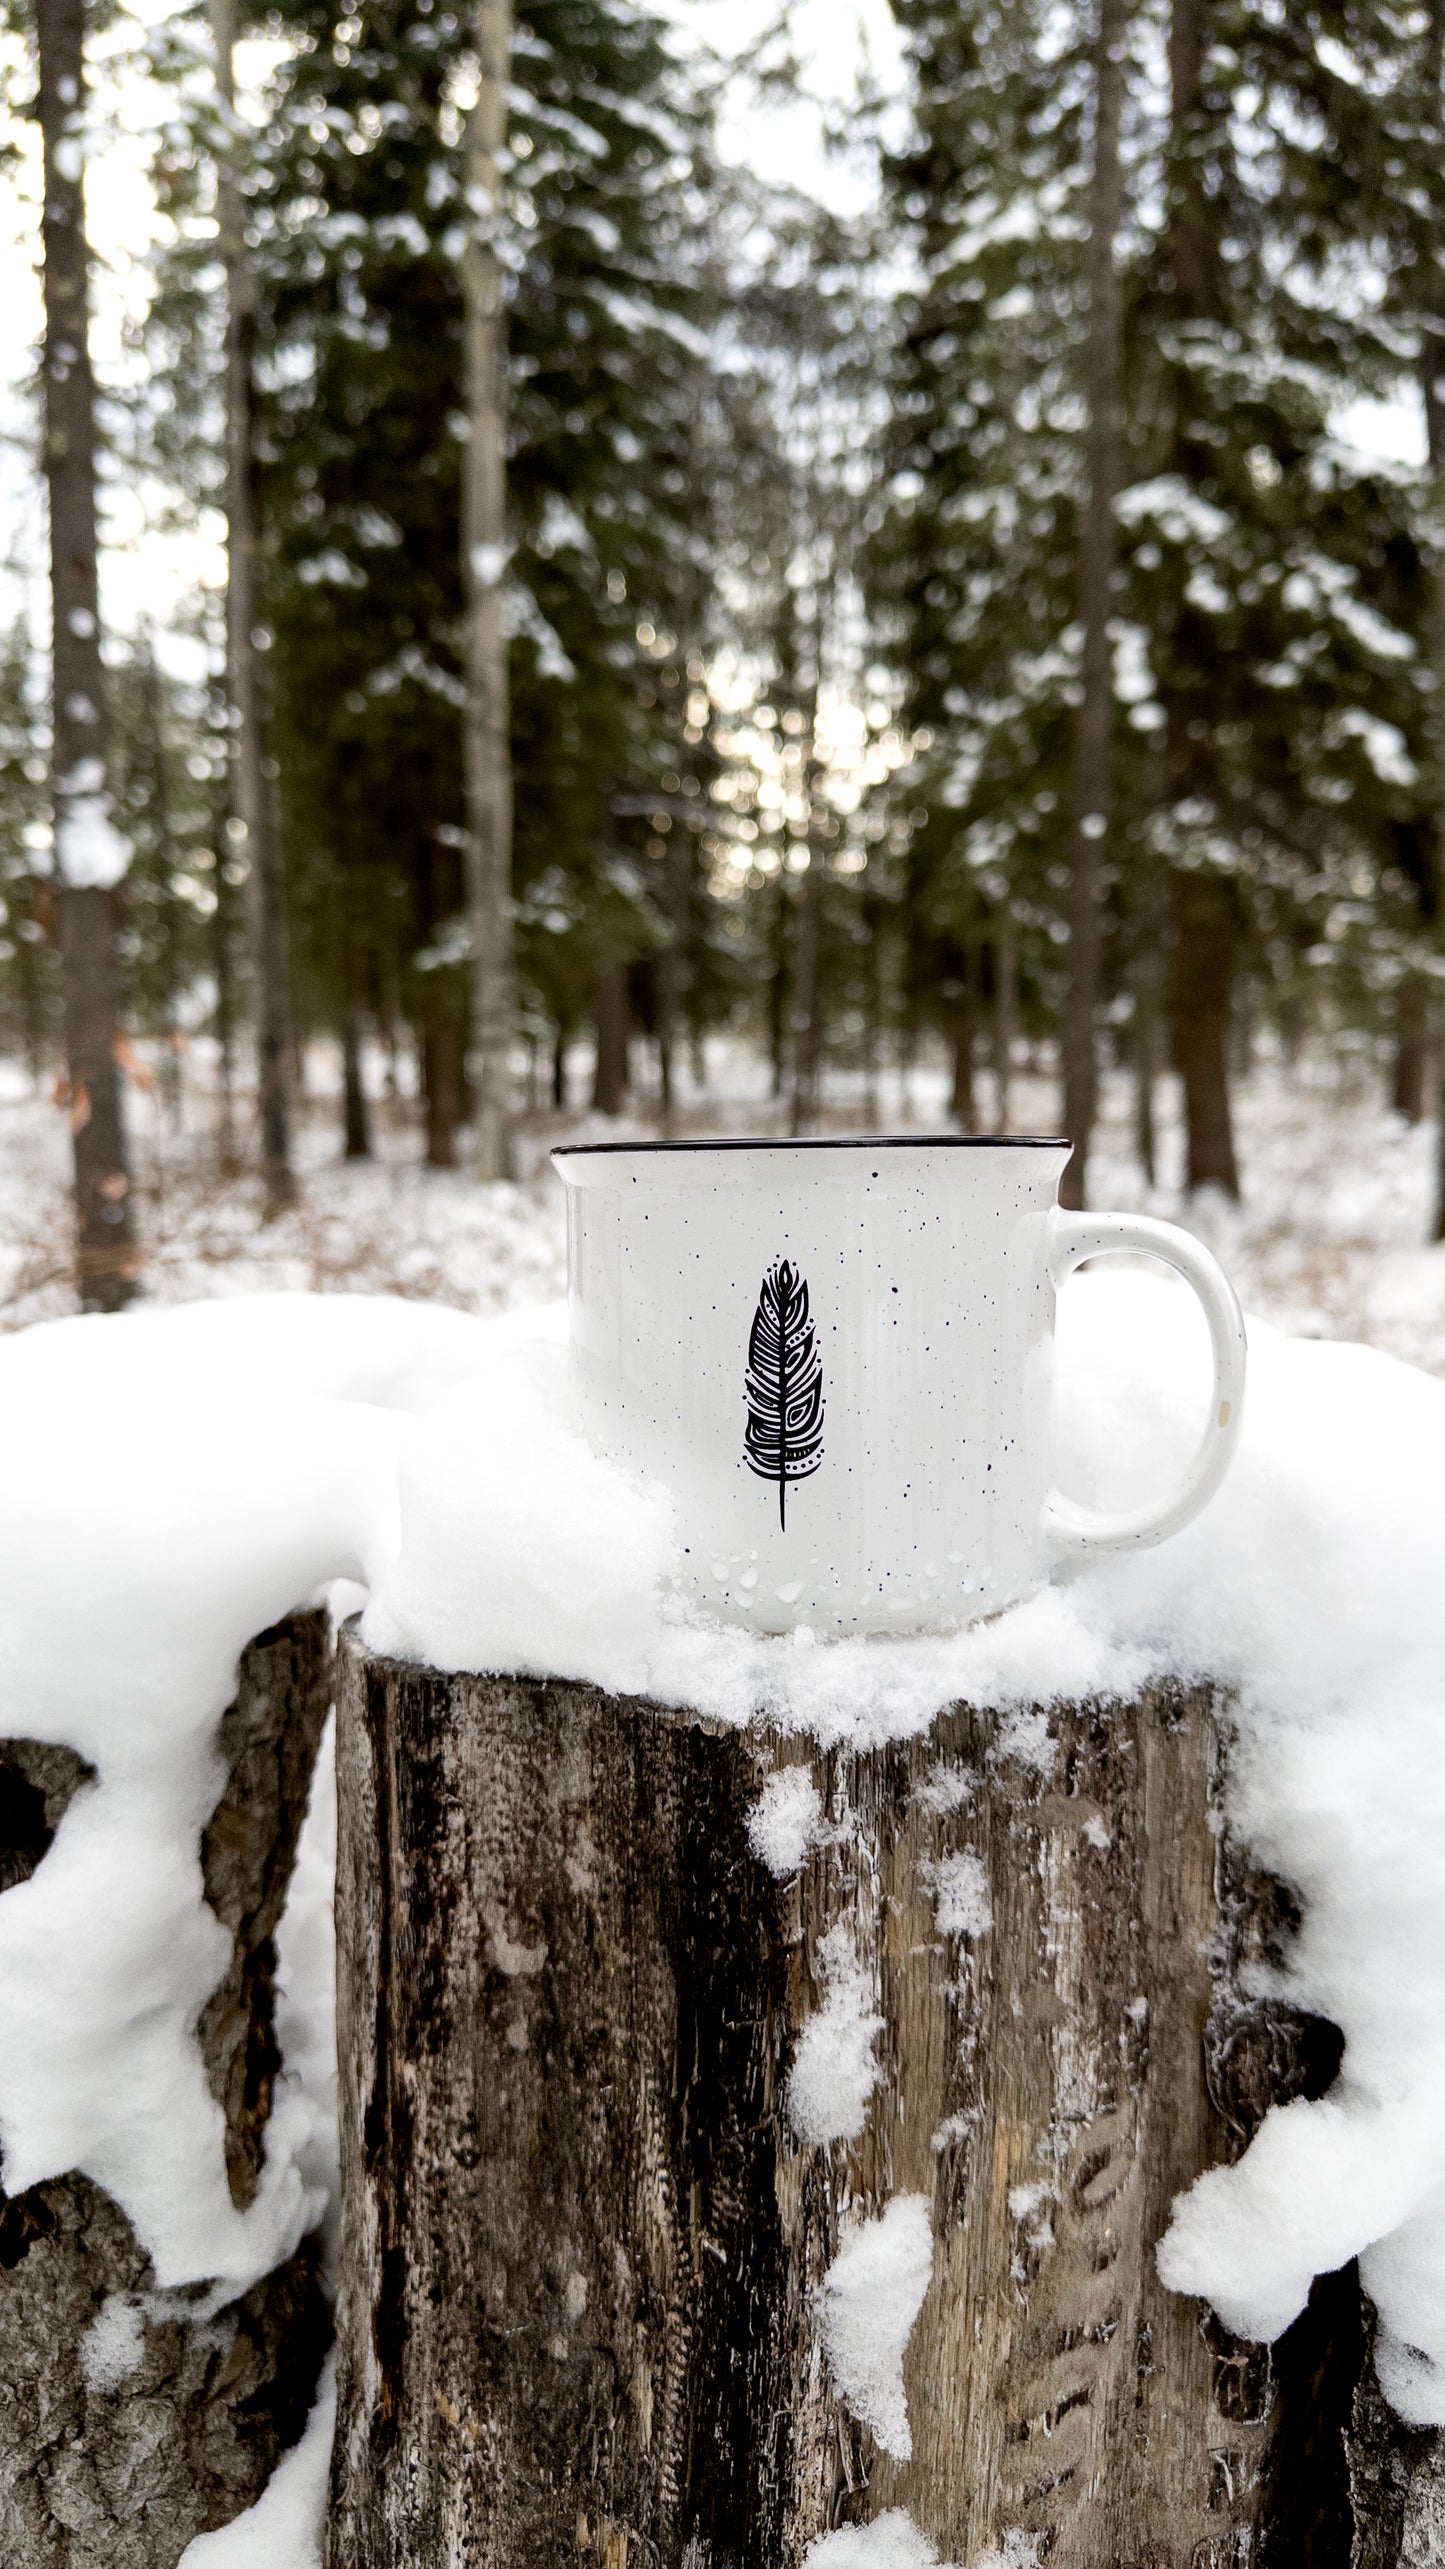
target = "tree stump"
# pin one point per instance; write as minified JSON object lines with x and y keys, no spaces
{"x":584,"y":2240}
{"x":123,"y":2477}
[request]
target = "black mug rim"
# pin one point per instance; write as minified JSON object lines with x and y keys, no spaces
{"x":825,"y":1142}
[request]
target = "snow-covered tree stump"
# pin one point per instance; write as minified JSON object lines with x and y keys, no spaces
{"x":651,"y":2147}
{"x":100,"y":2472}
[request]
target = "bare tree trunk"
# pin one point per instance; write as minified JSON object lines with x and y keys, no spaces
{"x":441,"y":1072}
{"x":356,"y":1117}
{"x":488,"y":758}
{"x":1432,"y":383}
{"x":1092,"y":795}
{"x":962,"y":1103}
{"x":253,"y":815}
{"x":671,"y":966}
{"x":589,"y":2199}
{"x":1151,"y":935}
{"x":803,"y":996}
{"x":1146,"y":1074}
{"x":610,"y":1077}
{"x":90,"y":857}
{"x":1410,"y":1079}
{"x":107,"y":2469}
{"x":1005,"y":1010}
{"x":1206,"y":906}
{"x":1206,"y":933}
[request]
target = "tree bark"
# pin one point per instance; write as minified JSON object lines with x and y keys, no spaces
{"x":610,"y":1076}
{"x":1092,"y":795}
{"x":124,"y":2476}
{"x":1206,"y":932}
{"x":356,"y":1117}
{"x":671,"y":972}
{"x":803,"y":1011}
{"x":582,"y":2241}
{"x":1412,"y":1051}
{"x":488,"y":756}
{"x":1005,"y":1010}
{"x":962,"y":1103}
{"x":441,"y":1071}
{"x":1432,"y":385}
{"x":90,"y":857}
{"x":1206,"y":906}
{"x":253,"y":818}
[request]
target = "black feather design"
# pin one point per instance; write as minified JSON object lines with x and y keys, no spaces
{"x":784,"y":1383}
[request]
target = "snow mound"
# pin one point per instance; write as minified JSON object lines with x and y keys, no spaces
{"x":176,"y":1481}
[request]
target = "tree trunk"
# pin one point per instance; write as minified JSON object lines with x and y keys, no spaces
{"x":1092,"y":794}
{"x":90,"y":857}
{"x":1005,"y":1011}
{"x":962,"y":1104}
{"x":1206,"y":906}
{"x":671,"y":970}
{"x":1412,"y":1052}
{"x":357,"y":1118}
{"x":253,"y":818}
{"x":610,"y":1078}
{"x":583,"y":2236}
{"x":488,"y":754}
{"x":1151,"y":931}
{"x":1206,"y":931}
{"x":1432,"y":385}
{"x":441,"y":1073}
{"x":803,"y":997}
{"x":100,"y":2473}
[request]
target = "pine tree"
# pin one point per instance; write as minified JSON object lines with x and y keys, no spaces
{"x":358,"y":237}
{"x":1270,"y":599}
{"x":89,"y":855}
{"x":27,"y":960}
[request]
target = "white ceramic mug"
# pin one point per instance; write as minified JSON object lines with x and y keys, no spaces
{"x":836,"y":1356}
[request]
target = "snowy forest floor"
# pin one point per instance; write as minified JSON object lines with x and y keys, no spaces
{"x":1330,"y":1240}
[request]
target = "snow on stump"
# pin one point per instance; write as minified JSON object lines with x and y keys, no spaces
{"x":742,"y":2143}
{"x":132,"y":2420}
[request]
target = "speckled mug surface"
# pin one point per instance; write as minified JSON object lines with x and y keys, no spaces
{"x":836,"y":1356}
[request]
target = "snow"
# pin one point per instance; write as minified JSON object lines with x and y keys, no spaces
{"x":283,"y":2530}
{"x":178,"y":1478}
{"x":785,"y":1821}
{"x":114,"y":2343}
{"x":89,"y":849}
{"x":891,"y":2541}
{"x":544,"y":1560}
{"x":959,"y":1884}
{"x":868,"y":2301}
{"x":171,"y":1489}
{"x":834,"y":2072}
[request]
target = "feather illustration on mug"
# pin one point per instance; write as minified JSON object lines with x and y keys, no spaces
{"x":783,"y":1384}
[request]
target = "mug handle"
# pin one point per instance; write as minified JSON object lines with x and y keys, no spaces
{"x":1076,"y":1236}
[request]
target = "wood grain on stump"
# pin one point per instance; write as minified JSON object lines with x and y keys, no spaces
{"x":123,"y":2477}
{"x":582,"y":2242}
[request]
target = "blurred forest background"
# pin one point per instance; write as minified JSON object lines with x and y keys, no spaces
{"x":949,"y":647}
